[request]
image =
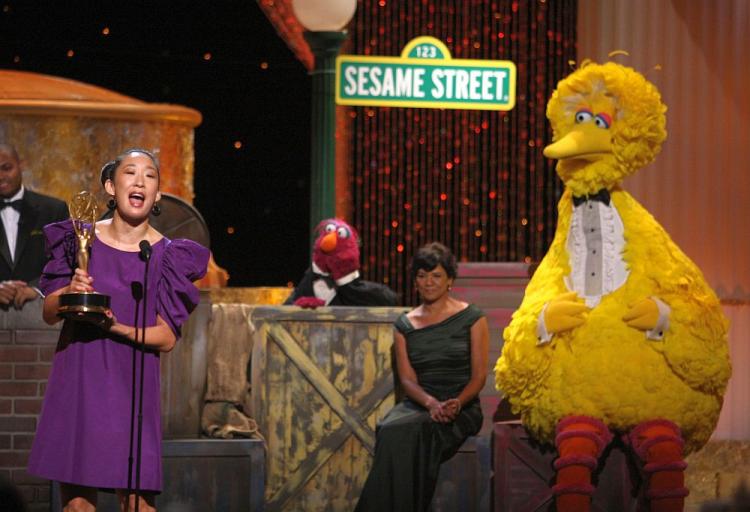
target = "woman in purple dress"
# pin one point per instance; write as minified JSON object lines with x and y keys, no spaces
{"x":83,"y":439}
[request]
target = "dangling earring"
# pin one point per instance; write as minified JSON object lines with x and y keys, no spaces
{"x":111,"y":204}
{"x":155,"y":210}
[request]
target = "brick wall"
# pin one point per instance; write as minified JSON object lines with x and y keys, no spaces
{"x":27,"y":345}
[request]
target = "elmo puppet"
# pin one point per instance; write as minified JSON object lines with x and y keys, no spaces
{"x":333,"y":278}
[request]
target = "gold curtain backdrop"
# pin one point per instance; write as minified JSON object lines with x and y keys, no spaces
{"x":699,"y":186}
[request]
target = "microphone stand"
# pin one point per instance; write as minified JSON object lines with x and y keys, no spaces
{"x":137,"y":292}
{"x":146,"y":256}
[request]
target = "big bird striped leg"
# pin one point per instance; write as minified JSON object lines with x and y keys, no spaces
{"x":580,"y":441}
{"x":658,"y":444}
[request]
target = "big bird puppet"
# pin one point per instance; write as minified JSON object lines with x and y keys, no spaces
{"x":618,"y":332}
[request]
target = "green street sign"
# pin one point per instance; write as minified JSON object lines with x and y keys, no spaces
{"x":426,"y":76}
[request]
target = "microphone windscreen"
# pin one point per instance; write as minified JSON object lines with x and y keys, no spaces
{"x":145,"y":249}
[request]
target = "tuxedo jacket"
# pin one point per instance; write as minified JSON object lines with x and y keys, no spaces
{"x":356,"y":293}
{"x":37,"y":211}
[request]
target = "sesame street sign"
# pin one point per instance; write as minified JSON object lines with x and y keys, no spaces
{"x":425,"y":76}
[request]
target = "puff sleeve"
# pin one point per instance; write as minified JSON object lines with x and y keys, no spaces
{"x":61,"y":246}
{"x":184,"y":262}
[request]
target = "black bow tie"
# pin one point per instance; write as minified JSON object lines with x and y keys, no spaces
{"x":602,"y":196}
{"x":13,"y":204}
{"x":327,"y":278}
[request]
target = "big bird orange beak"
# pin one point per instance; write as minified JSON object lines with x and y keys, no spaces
{"x":585,"y":141}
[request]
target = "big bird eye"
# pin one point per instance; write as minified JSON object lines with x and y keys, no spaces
{"x":603,"y":120}
{"x":343,"y":232}
{"x":583,"y":115}
{"x":330,"y":228}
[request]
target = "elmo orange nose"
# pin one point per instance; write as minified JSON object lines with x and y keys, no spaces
{"x":328,"y":244}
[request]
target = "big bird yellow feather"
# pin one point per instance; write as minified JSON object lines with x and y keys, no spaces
{"x":641,"y":344}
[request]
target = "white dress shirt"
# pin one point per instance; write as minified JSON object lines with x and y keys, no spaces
{"x":10,"y":217}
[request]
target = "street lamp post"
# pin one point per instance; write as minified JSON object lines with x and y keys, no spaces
{"x":324,"y":21}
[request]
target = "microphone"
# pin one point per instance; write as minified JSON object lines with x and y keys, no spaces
{"x":145,"y":250}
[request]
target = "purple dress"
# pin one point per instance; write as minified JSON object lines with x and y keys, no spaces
{"x":83,"y":436}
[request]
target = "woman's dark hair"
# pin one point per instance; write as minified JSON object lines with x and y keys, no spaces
{"x":108,"y":170}
{"x":430,"y":256}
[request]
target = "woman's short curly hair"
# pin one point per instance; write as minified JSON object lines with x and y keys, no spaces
{"x":108,"y":170}
{"x":430,"y":256}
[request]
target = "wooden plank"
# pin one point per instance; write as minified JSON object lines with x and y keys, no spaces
{"x":328,"y":447}
{"x":328,"y":314}
{"x":319,"y":380}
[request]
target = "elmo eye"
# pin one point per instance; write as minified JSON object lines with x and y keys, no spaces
{"x":330,"y":228}
{"x":583,"y":115}
{"x":603,"y":120}
{"x":343,"y":232}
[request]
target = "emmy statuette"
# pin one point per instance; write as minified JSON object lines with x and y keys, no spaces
{"x":84,"y":305}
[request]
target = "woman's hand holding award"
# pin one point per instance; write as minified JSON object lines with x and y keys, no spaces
{"x":89,"y":307}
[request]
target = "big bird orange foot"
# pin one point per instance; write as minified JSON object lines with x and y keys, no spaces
{"x":659,"y":446}
{"x":580,"y":441}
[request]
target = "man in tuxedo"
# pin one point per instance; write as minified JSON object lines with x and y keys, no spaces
{"x":23,"y":213}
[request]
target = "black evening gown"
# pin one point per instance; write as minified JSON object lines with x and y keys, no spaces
{"x":410,"y":446}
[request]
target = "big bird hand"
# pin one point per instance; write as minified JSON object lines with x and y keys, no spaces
{"x":643,"y":315}
{"x":564,"y":312}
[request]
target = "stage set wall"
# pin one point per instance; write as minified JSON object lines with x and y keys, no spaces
{"x":699,"y":186}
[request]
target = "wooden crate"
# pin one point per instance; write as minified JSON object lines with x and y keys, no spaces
{"x":523,"y":475}
{"x":203,"y":475}
{"x":183,"y":376}
{"x":321,"y":379}
{"x":465,"y":483}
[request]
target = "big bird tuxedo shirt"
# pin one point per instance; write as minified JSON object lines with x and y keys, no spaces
{"x":595,"y":244}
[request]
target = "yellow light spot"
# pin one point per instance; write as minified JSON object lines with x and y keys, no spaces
{"x":105,"y":31}
{"x":264,"y":65}
{"x":237,"y":144}
{"x":230,"y":230}
{"x":524,"y":221}
{"x":71,"y":53}
{"x":478,"y":233}
{"x":207,"y":56}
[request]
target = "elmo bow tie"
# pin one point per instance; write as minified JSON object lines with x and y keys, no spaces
{"x":327,"y":278}
{"x":602,"y":196}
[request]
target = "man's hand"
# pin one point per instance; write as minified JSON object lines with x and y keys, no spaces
{"x":16,"y":293}
{"x":564,"y":312}
{"x":8,"y":292}
{"x":24,"y":294}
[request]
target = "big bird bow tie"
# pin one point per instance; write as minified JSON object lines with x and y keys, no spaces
{"x":602,"y":196}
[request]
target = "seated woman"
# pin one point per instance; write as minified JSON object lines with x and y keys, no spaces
{"x":441,"y":357}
